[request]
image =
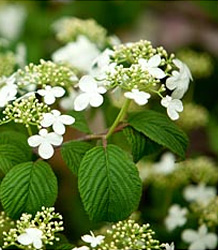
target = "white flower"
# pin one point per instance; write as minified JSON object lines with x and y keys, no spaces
{"x":169,"y":247}
{"x":80,"y":54}
{"x":31,"y":236}
{"x":92,"y":239}
{"x":8,"y":91}
{"x":45,"y":141}
{"x":92,"y":93}
{"x":173,"y":107}
{"x":51,"y":93}
{"x":199,"y":193}
{"x":140,"y":97}
{"x":151,"y":66}
{"x":179,"y":81}
{"x":68,"y":101}
{"x":201,"y":239}
{"x":57,"y":121}
{"x":81,"y":248}
{"x":176,"y":217}
{"x":166,"y":165}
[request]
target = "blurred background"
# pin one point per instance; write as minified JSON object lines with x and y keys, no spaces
{"x":187,"y":28}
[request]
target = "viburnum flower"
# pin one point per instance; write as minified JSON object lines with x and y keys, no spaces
{"x":45,"y":141}
{"x":179,"y":81}
{"x":8,"y":91}
{"x":31,"y":236}
{"x":199,"y":193}
{"x":169,"y":247}
{"x":51,"y":93}
{"x":81,"y":248}
{"x":92,"y":93}
{"x":176,"y":217}
{"x":151,"y":66}
{"x":201,"y":239}
{"x":57,"y":121}
{"x":140,"y":97}
{"x":92,"y":239}
{"x":173,"y":107}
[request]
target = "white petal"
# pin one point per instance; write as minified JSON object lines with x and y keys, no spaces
{"x":87,"y":238}
{"x":157,"y":73}
{"x":37,"y":243}
{"x":166,"y":101}
{"x":171,"y":82}
{"x":189,"y":235}
{"x":42,"y":92}
{"x":45,"y":150}
{"x":56,"y":112}
{"x":67,"y":119}
{"x":143,"y":63}
{"x":87,"y":84}
{"x":49,"y":98}
{"x":129,"y":95}
{"x":172,"y":113}
{"x":102,"y":90}
{"x":35,"y":140}
{"x":99,"y":238}
{"x":141,"y":98}
{"x":58,"y":128}
{"x":58,"y":91}
{"x":48,"y":120}
{"x":197,"y":245}
{"x":177,"y":104}
{"x":154,"y":61}
{"x":81,"y":102}
{"x":54,"y":139}
{"x":24,"y":239}
{"x":211,"y":241}
{"x":34,"y":232}
{"x":96,"y":100}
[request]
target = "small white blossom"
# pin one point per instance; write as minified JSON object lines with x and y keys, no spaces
{"x":31,"y":236}
{"x":166,"y":165}
{"x":67,"y":102}
{"x":201,"y":239}
{"x":92,"y":239}
{"x":169,"y":247}
{"x":179,"y":81}
{"x":57,"y":121}
{"x":91,"y":93}
{"x":80,"y":54}
{"x":199,"y":193}
{"x":176,"y":217}
{"x":173,"y":107}
{"x":51,"y":93}
{"x":45,"y":141}
{"x":81,"y":248}
{"x":140,"y":97}
{"x":151,"y":66}
{"x":9,"y":91}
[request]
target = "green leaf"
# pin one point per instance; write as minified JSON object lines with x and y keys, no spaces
{"x":161,"y":130}
{"x":73,"y":152}
{"x":27,"y":187}
{"x":10,"y":156}
{"x":17,"y":139}
{"x":80,"y":121}
{"x":109,"y":184}
{"x":141,"y":145}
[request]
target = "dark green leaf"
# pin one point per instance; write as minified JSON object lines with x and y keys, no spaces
{"x":161,"y":130}
{"x":73,"y":152}
{"x":140,"y":144}
{"x":109,"y":184}
{"x":27,"y":187}
{"x":80,"y":121}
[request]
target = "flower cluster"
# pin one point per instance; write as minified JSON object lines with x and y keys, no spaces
{"x":68,"y":29}
{"x":35,"y":233}
{"x":7,"y":65}
{"x":193,"y":59}
{"x":45,"y":74}
{"x":140,"y":71}
{"x":124,"y":235}
{"x":188,"y":118}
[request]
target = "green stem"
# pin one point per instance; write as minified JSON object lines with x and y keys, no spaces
{"x":29,"y":131}
{"x":119,"y":118}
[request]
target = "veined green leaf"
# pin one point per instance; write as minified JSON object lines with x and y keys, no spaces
{"x":27,"y":187}
{"x":109,"y":184}
{"x":73,"y":152}
{"x":161,"y":130}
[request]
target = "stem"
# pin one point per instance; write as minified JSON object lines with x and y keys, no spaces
{"x":119,"y":118}
{"x":29,"y":131}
